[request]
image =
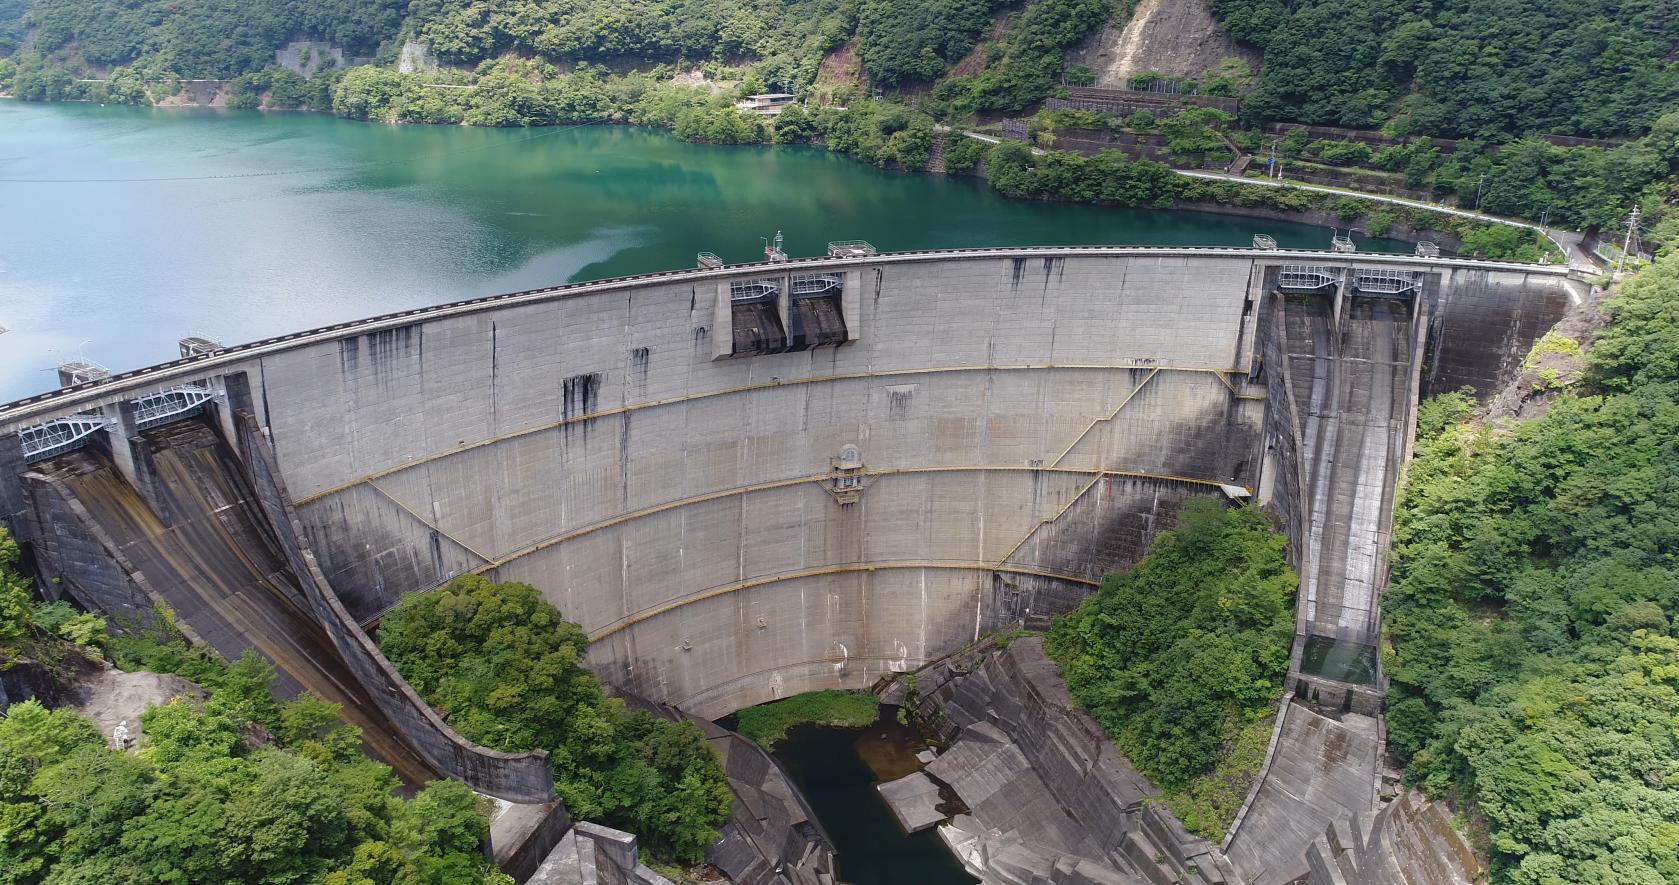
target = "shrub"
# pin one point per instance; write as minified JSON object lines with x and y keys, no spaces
{"x":768,"y":723}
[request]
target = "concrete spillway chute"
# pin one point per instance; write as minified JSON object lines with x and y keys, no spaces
{"x":767,"y":315}
{"x":59,"y":435}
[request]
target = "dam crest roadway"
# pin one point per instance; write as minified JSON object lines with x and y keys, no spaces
{"x":756,"y":480}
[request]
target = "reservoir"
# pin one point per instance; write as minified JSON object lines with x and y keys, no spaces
{"x":125,"y":229}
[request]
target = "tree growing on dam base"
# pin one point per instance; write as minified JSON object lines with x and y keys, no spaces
{"x":507,"y":669}
{"x":1181,"y":658}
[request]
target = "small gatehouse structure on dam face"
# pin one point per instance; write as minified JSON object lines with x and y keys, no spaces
{"x":746,"y":482}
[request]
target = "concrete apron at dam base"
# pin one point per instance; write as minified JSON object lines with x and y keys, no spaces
{"x":753,"y":481}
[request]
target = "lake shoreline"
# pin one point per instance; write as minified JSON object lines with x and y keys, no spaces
{"x":1316,"y":216}
{"x":137,"y":226}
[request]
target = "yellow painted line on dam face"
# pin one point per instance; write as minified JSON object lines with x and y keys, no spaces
{"x":491,"y":564}
{"x":881,"y":566}
{"x":1093,"y":480}
{"x":750,"y":388}
{"x":1050,"y":520}
{"x":727,"y":683}
{"x":814,"y":478}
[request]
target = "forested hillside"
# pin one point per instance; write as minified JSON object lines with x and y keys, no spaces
{"x":1533,"y":655}
{"x":236,"y":788}
{"x":1487,"y":71}
{"x":205,"y":38}
{"x":787,"y":38}
{"x":11,"y":24}
{"x":1494,"y":69}
{"x":1480,"y":68}
{"x":1513,"y":78}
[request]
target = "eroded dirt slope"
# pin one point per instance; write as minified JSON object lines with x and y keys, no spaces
{"x":1175,"y":37}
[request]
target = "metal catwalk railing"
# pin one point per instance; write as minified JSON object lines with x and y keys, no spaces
{"x":1308,"y":277}
{"x":59,"y":435}
{"x":169,"y":405}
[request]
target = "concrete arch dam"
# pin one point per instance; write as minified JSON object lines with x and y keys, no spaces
{"x":754,"y":481}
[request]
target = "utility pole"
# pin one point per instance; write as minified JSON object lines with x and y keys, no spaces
{"x":1480,"y":189}
{"x":1271,"y":167}
{"x":1632,"y":232}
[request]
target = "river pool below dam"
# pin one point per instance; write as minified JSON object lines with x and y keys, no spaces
{"x":126,"y":229}
{"x":837,"y":769}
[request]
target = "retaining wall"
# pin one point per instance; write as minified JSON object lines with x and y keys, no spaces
{"x":674,"y":504}
{"x":517,"y":777}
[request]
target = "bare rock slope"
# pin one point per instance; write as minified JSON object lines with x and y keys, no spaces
{"x":1179,"y":38}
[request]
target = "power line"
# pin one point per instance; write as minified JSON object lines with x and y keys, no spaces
{"x":1632,"y":238}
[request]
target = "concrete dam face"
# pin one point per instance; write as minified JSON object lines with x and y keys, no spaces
{"x":755,"y":481}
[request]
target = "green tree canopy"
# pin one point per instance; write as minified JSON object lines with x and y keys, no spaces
{"x":1173,"y":656}
{"x":917,"y":39}
{"x":1482,"y":68}
{"x":199,"y":802}
{"x":1535,"y":675}
{"x":508,"y":671}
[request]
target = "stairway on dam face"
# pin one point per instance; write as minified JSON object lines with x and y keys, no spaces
{"x":210,"y":557}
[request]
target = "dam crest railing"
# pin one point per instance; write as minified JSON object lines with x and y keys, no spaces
{"x":78,"y":397}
